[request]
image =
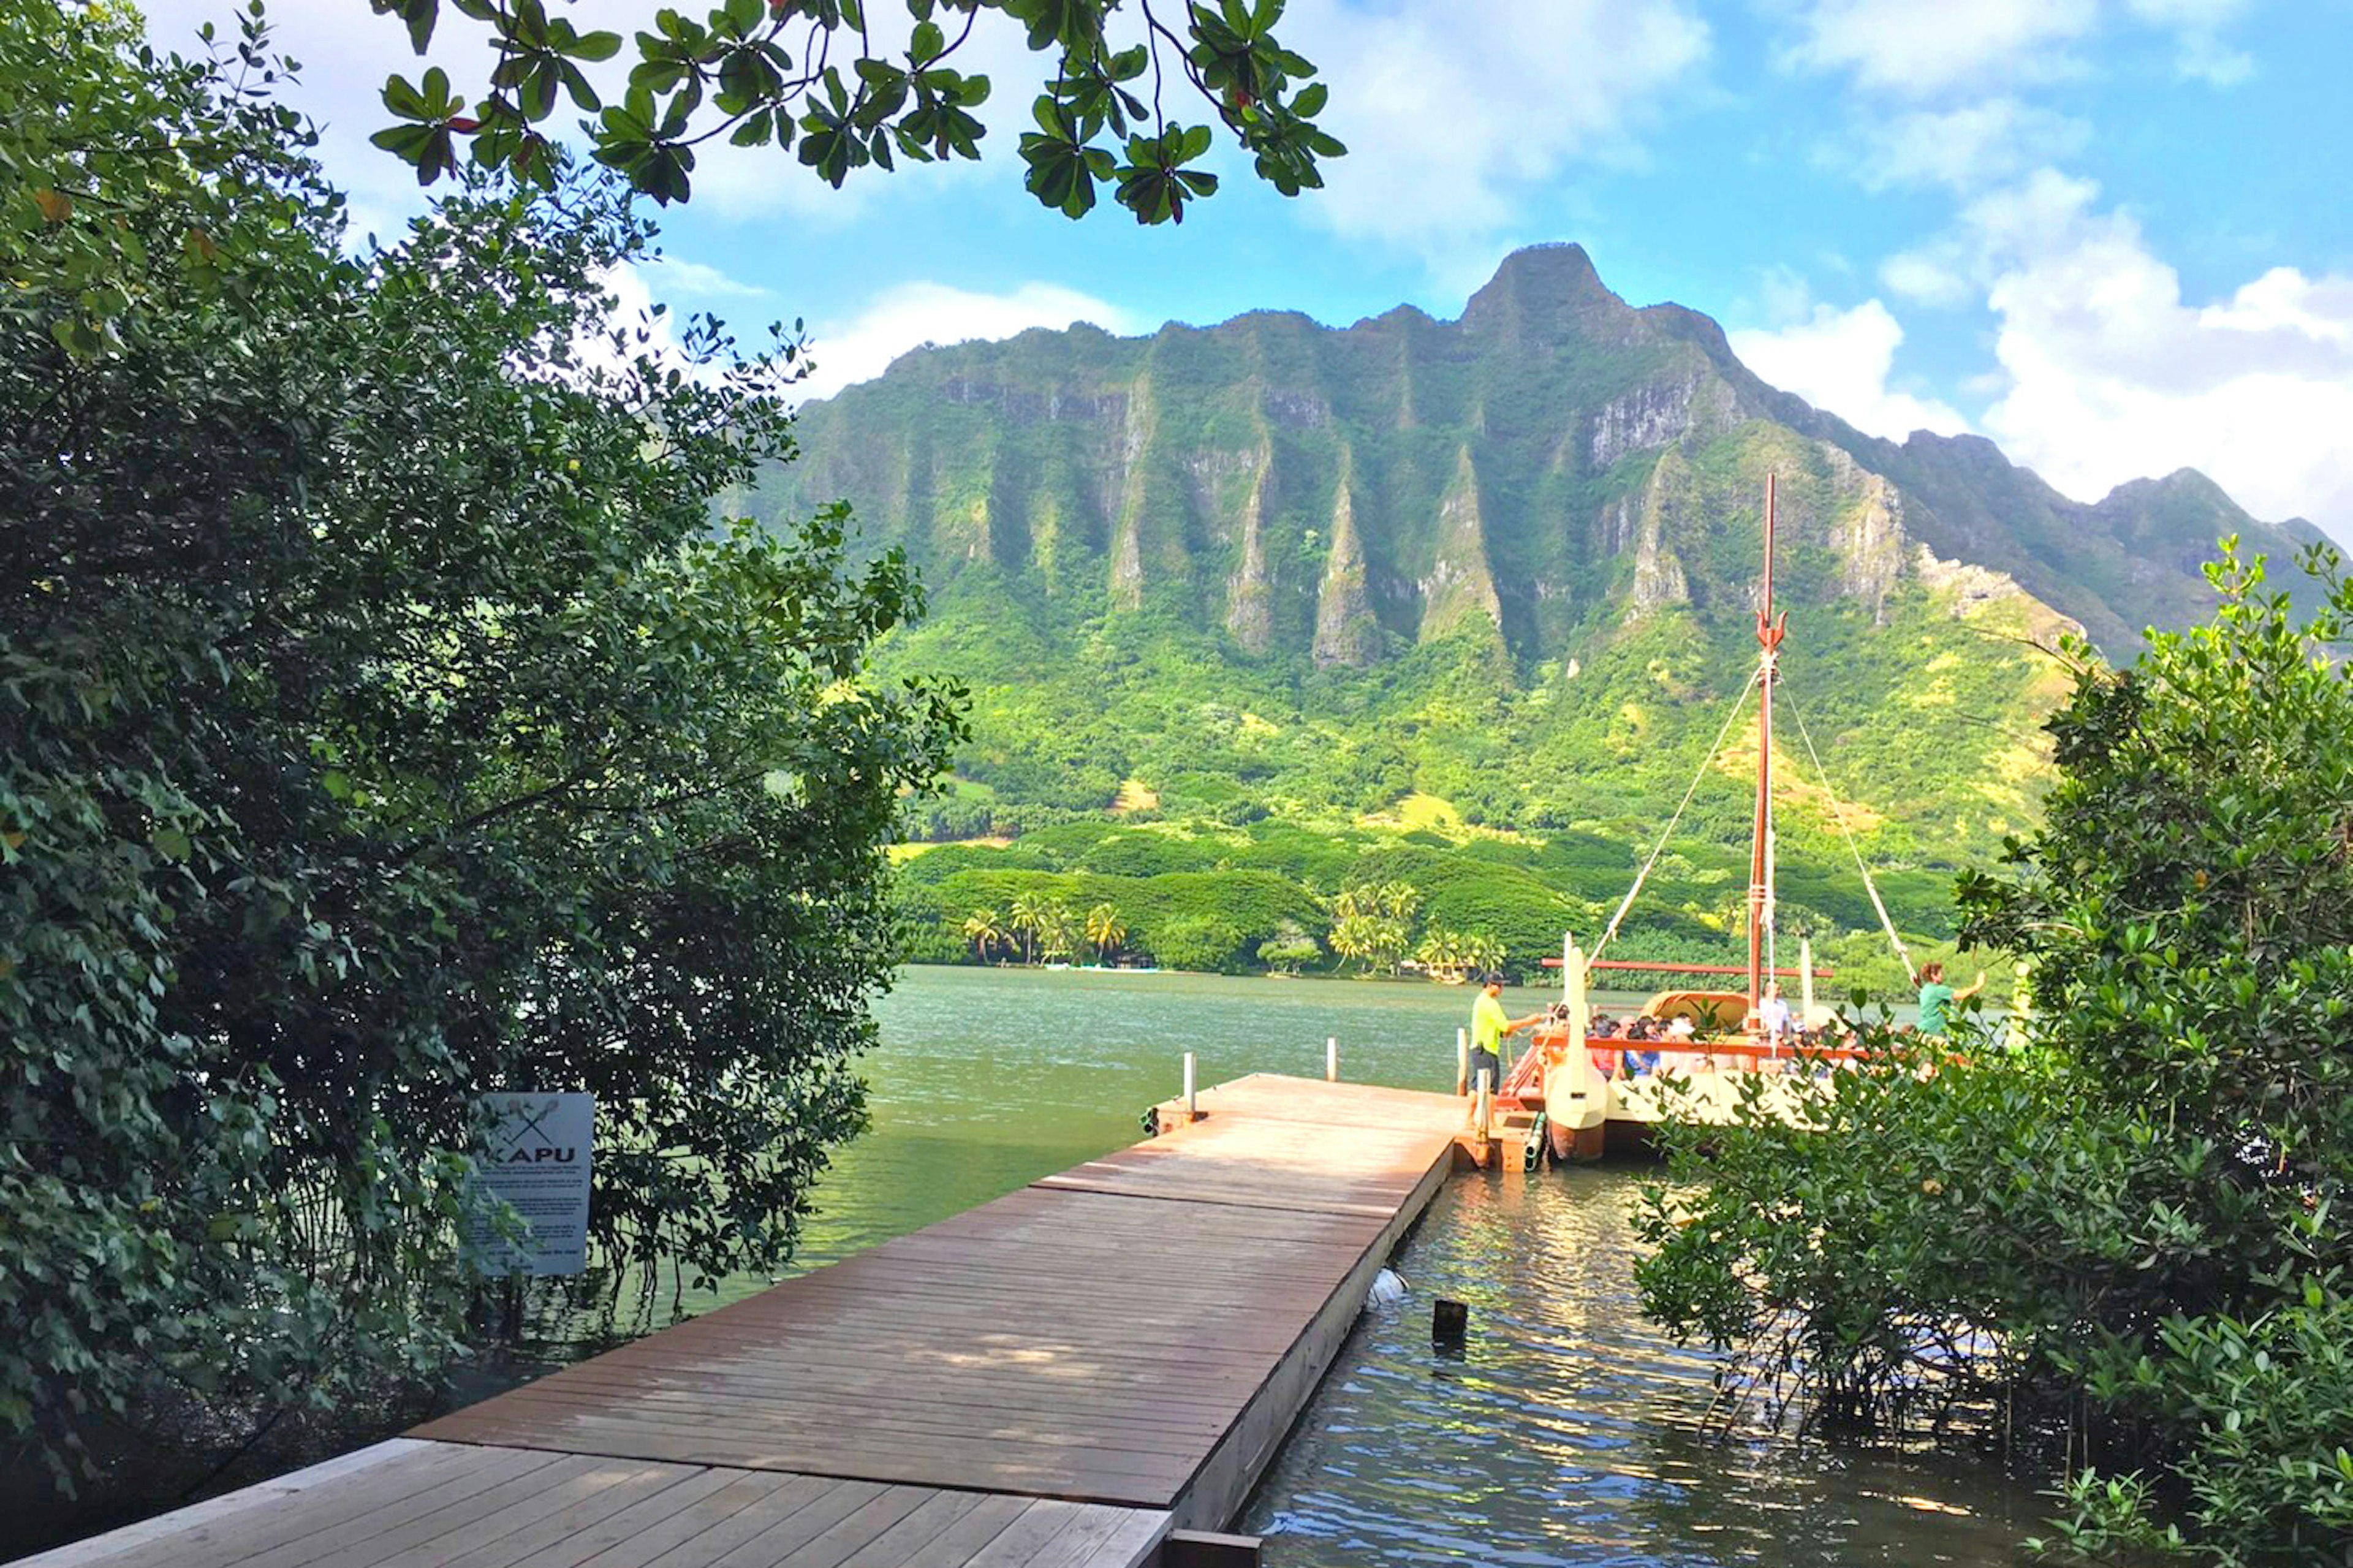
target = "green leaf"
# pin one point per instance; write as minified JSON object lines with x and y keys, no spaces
{"x":595,"y":46}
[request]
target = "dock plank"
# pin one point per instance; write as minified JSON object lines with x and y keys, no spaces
{"x":1051,"y":1380}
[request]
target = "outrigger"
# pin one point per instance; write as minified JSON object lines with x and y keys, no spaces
{"x":1578,"y":1097}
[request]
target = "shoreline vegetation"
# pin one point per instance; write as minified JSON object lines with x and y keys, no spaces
{"x":1269,"y":895}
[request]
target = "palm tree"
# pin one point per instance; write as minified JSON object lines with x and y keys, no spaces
{"x":1057,"y":934}
{"x":1028,"y":921}
{"x":1105,"y":930}
{"x":1442,"y":952}
{"x":1372,"y":923}
{"x":1481,"y":950}
{"x":985,"y":929}
{"x":1399,"y":900}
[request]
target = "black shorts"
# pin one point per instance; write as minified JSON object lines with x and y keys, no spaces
{"x":1489,"y":1063}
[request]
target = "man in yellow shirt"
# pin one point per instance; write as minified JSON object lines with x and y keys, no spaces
{"x":1488,"y":1028}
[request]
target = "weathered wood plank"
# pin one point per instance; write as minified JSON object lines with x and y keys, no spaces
{"x":181,"y":1525}
{"x":1051,"y":1380}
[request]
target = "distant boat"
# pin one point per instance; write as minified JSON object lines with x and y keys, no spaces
{"x":1593,"y":1094}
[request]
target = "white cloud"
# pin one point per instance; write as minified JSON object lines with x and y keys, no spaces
{"x":345,"y":53}
{"x":1912,"y":49}
{"x":694,"y":280}
{"x":912,"y":314}
{"x":2107,"y":372}
{"x":1840,"y":360}
{"x":1454,"y":118}
{"x":1925,"y":277}
{"x":1965,"y":148}
{"x":1917,"y":50}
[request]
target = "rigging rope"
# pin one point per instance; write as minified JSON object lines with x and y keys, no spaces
{"x":1838,"y":814}
{"x":1628,"y":902}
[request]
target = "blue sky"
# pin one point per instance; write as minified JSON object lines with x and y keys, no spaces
{"x":2109,"y":234}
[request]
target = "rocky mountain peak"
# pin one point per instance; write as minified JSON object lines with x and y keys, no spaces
{"x":1553,"y":463}
{"x":1544,"y":293}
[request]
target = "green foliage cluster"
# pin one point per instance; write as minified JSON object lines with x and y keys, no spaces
{"x":762,"y":73}
{"x":2131,"y":1228}
{"x":382,"y":723}
{"x":1511,"y":899}
{"x":1573,"y":724}
{"x":1372,"y":924}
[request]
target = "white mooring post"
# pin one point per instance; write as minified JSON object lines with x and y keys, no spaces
{"x":1192,"y":1102}
{"x":1485,"y":1117}
{"x":1331,"y":1058}
{"x":1806,"y":981}
{"x":1461,"y":1061}
{"x":1567,"y":967}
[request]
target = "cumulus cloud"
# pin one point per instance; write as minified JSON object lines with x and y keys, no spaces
{"x":1964,"y":147}
{"x":1927,"y":276}
{"x":1841,"y":361}
{"x":1455,"y":116}
{"x":912,"y":314}
{"x":2110,"y":373}
{"x":2200,"y":55}
{"x":1910,"y":49}
{"x":1905,"y":47}
{"x":695,"y":280}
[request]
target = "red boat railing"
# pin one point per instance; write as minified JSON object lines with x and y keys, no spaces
{"x":1665,"y":966}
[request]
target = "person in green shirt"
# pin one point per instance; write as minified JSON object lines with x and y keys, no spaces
{"x":1489,"y":1024}
{"x":1938,"y":999}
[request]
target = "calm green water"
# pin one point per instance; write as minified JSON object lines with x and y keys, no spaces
{"x":1567,"y":1430}
{"x":988,"y":1079}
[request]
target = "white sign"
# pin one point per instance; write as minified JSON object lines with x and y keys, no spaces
{"x":537,"y":1160}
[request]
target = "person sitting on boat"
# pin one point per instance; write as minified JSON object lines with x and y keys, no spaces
{"x":1938,"y":1000}
{"x":1489,"y":1024}
{"x":1772,"y":1013}
{"x":1683,"y":1028}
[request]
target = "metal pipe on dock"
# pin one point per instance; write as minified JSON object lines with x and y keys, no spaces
{"x":1485,"y":1119}
{"x":1331,"y":1058}
{"x":1192,"y":1101}
{"x":1461,"y":1061}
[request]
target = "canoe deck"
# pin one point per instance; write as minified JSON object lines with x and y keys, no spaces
{"x":1059,"y":1377}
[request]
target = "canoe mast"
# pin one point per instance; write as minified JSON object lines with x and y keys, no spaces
{"x":1760,"y":862}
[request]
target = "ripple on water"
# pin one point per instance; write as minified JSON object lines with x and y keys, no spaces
{"x":1569,"y":1430}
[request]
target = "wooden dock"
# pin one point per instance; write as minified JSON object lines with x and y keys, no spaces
{"x":1059,"y":1378}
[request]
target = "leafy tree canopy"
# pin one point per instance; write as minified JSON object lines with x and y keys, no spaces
{"x":384,"y":722}
{"x":837,"y":91}
{"x":2132,"y":1227}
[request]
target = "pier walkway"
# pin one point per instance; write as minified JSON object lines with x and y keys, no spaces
{"x":1059,"y":1379}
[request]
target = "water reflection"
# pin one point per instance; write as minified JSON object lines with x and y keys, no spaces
{"x":1567,"y":1430}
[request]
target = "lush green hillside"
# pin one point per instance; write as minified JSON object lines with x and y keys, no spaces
{"x":1461,"y":605}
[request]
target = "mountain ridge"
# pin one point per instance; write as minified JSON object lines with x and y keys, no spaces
{"x":1503,"y":566}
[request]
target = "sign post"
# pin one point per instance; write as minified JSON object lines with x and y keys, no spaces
{"x":536,"y":1159}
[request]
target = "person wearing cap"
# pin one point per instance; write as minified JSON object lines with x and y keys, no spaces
{"x":1489,"y":1024}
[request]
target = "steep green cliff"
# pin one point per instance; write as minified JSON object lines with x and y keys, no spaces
{"x":1484,"y":580}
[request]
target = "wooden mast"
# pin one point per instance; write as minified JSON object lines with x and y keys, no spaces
{"x":1769,"y":644}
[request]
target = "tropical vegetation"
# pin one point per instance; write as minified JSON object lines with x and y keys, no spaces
{"x":1470,"y":602}
{"x":383,"y":721}
{"x":2126,"y":1236}
{"x":858,"y":93}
